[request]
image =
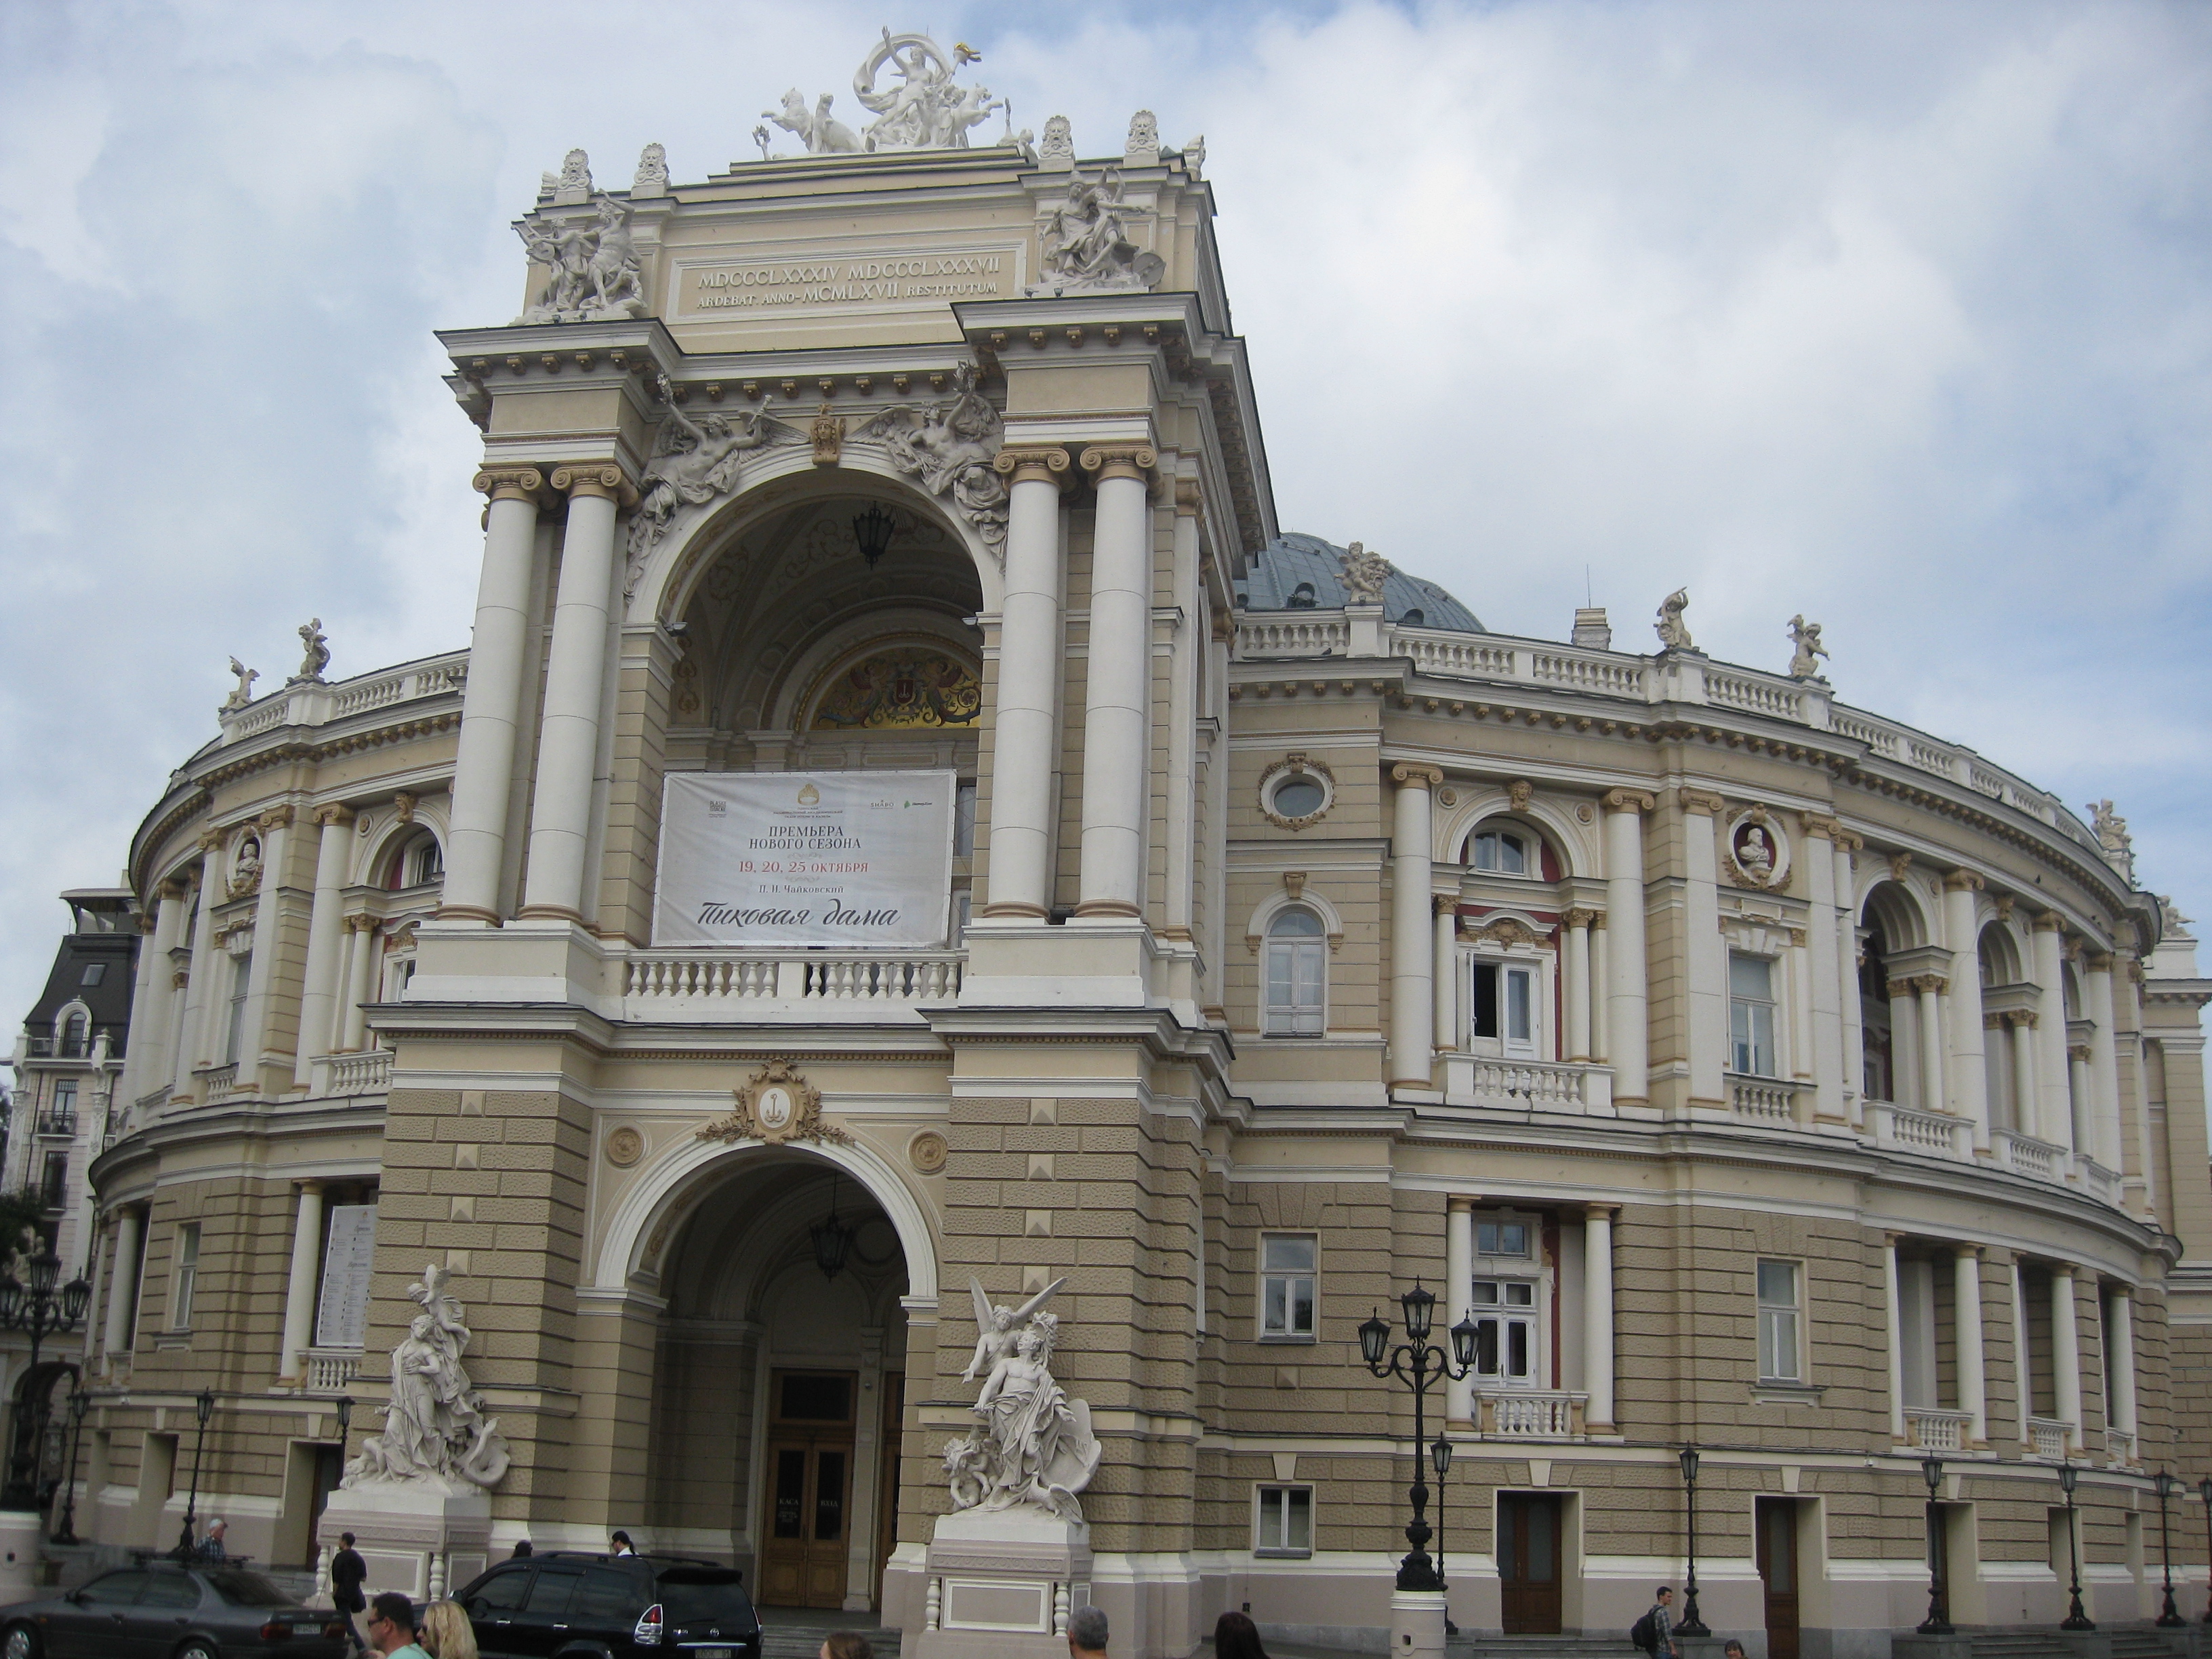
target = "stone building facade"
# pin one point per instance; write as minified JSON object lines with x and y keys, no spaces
{"x":1753,"y":1071}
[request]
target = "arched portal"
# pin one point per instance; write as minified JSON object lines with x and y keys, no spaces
{"x":778,"y":1382}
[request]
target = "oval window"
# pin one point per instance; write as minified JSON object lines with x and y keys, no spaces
{"x":1298,"y":797}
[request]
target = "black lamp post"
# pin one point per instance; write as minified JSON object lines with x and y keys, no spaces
{"x":40,"y":1309}
{"x":1938,"y":1621}
{"x":66,"y":1533}
{"x":1419,"y":1363}
{"x":1691,"y":1625}
{"x":2076,"y":1618}
{"x":1440,"y":1455}
{"x":205,"y":1407}
{"x":2205,"y":1492}
{"x":2169,"y":1616}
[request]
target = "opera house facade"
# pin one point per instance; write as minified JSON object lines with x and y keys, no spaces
{"x":908,"y":814}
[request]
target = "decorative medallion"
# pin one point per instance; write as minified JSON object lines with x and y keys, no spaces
{"x":928,"y":1152}
{"x":624,"y":1147}
{"x":903,"y":689}
{"x":776,"y":1105}
{"x":1758,"y":854}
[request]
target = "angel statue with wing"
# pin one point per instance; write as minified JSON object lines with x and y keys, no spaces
{"x":695,"y":461}
{"x":1034,"y":1444}
{"x":1000,"y":1329}
{"x":950,"y":447}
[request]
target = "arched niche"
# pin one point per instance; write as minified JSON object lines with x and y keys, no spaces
{"x":1573,"y":845}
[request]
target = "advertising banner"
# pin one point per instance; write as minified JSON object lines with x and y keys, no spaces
{"x":857,"y":858}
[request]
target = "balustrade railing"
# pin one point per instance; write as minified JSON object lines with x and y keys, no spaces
{"x":1768,"y":1100}
{"x":1938,"y":1133}
{"x":2120,"y":1445}
{"x":1530,"y":1413}
{"x":367,"y":1072}
{"x":1527,"y":1085}
{"x":314,"y":704}
{"x":329,"y":1369}
{"x":1936,"y":1430}
{"x":2030,"y":1156}
{"x":677,"y":984}
{"x":217,"y":1083}
{"x":2047,"y":1438}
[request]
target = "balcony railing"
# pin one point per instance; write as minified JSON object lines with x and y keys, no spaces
{"x":311,"y":704}
{"x":2030,"y":1156}
{"x":367,"y":1072}
{"x":57,"y":1123}
{"x":1936,"y":1430}
{"x":1908,"y":1127}
{"x":329,"y":1369}
{"x":737,"y":985}
{"x":1769,"y":1100}
{"x":1530,"y":1414}
{"x":1527,"y":1085}
{"x":217,"y":1083}
{"x":2047,"y":1438}
{"x":2099,"y":1182}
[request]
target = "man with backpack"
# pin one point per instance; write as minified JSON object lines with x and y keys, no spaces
{"x":1655,"y":1631}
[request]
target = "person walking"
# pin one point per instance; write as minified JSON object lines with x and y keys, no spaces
{"x":392,"y":1627}
{"x":1236,"y":1636}
{"x":1086,"y":1634}
{"x":1655,"y":1631}
{"x":446,"y":1632}
{"x":348,"y":1573}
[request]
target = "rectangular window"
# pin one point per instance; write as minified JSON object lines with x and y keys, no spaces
{"x":1285,"y":1525}
{"x":64,"y":1110}
{"x":1751,"y":1015}
{"x":240,"y":978}
{"x":1505,"y":1330}
{"x":93,"y":973}
{"x":1506,"y":1005}
{"x":188,"y":1272}
{"x":1501,"y":1238}
{"x":1286,"y":1286}
{"x":1482,"y":1022}
{"x":54,"y":1180}
{"x":1298,"y":978}
{"x":1781,"y":1320}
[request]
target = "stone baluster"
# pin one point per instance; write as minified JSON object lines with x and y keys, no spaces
{"x":1025,"y":740}
{"x":1968,"y":1075}
{"x":325,"y":940}
{"x":1412,"y":1004}
{"x":1117,"y":686}
{"x":1627,"y":1020}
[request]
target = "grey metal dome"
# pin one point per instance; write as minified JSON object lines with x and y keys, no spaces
{"x":1292,"y":562}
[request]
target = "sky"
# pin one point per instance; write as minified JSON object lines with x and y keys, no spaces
{"x":1895,"y":315}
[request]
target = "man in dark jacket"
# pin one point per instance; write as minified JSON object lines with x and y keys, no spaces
{"x":348,"y":1571}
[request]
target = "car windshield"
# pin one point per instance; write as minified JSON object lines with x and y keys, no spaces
{"x":692,"y":1596}
{"x":248,"y":1589}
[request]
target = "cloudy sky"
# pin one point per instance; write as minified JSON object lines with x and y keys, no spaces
{"x":1894,"y":315}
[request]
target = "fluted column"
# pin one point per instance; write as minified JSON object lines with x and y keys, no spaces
{"x":2054,"y":1111}
{"x":2104,"y":1062}
{"x":123,"y":1281}
{"x":1578,"y":997}
{"x":1969,"y":1088}
{"x":1853,"y":1013}
{"x":492,"y":700}
{"x":1966,"y":1315}
{"x":299,"y":1284}
{"x":1444,"y":972}
{"x":1413,"y":1006}
{"x":1459,"y":1297}
{"x":2066,"y":1355}
{"x":1627,"y":1020}
{"x":1117,"y":686}
{"x":1893,"y":1311}
{"x":1024,"y":737}
{"x":361,"y":974}
{"x":576,"y":679}
{"x":1704,"y":970}
{"x":325,"y":939}
{"x":2120,"y":1410}
{"x":1597,"y":1319}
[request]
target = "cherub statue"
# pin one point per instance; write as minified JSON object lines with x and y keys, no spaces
{"x":242,"y":693}
{"x":697,"y":460}
{"x":998,"y":1329}
{"x":1805,"y":665}
{"x":1364,"y":573}
{"x":317,"y":653}
{"x":1674,"y":635}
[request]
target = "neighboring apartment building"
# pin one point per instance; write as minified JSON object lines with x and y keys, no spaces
{"x":1751,"y":1070}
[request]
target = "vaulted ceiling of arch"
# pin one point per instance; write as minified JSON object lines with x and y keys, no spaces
{"x":749,"y":1231}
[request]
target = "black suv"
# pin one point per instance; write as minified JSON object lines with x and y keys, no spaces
{"x":568,"y":1604}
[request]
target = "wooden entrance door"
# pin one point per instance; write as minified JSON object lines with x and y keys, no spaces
{"x":1528,"y":1562}
{"x":1778,"y":1574}
{"x":809,"y":1501}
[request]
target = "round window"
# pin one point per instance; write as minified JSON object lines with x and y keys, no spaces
{"x":1298,"y":796}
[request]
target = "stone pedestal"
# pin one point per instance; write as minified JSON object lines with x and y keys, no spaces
{"x":1001,"y":1586}
{"x":1417,"y":1624}
{"x":22,"y":1532}
{"x":424,"y":1537}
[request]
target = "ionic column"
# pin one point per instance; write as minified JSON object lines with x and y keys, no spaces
{"x":1821,"y":1042}
{"x":122,"y":1281}
{"x":200,"y":991}
{"x":1930,"y":989}
{"x":2120,"y":1410}
{"x":1969,"y":1088}
{"x":299,"y":1286}
{"x":1413,"y":1005}
{"x":2066,"y":1355}
{"x":1893,"y":1308}
{"x":153,"y":1012}
{"x":1705,"y":965}
{"x":1183,"y":715}
{"x":1459,"y":1297}
{"x":1803,"y":1043}
{"x":575,"y":679}
{"x":1578,"y":997}
{"x":1600,"y":980}
{"x":360,"y":977}
{"x":1443,"y":973}
{"x":1847,"y":981}
{"x":1966,"y":1315}
{"x":2022,"y":1026}
{"x":1627,"y":1021}
{"x":1025,"y":735}
{"x":492,"y":702}
{"x":1117,"y":686}
{"x":2081,"y":1108}
{"x":1597,"y":1319}
{"x":2054,"y":1111}
{"x":325,"y":939}
{"x":2103,"y":1063}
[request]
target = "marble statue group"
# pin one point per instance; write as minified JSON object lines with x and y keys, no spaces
{"x":1033,"y":1445}
{"x":435,"y":1429}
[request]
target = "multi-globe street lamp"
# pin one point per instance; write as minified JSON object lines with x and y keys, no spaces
{"x":1417,"y":1363}
{"x":40,"y":1309}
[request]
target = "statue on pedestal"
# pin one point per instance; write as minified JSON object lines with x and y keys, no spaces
{"x":435,"y":1429}
{"x":1034,"y":1445}
{"x":1673,"y":633}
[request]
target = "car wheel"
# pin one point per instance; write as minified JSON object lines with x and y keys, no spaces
{"x":22,"y":1642}
{"x":195,"y":1649}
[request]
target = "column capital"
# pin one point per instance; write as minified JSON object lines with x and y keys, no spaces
{"x":1189,"y":498}
{"x":1820,"y":824}
{"x":1630,"y":800}
{"x":1444,"y":904}
{"x":1120,"y":461}
{"x":275,"y":818}
{"x":328,"y":816}
{"x":361,"y":922}
{"x":601,"y":478}
{"x":2049,"y":921}
{"x":1965,"y":1247}
{"x":1034,"y":463}
{"x":1579,"y":918}
{"x":1708,"y":802}
{"x":210,"y":838}
{"x":312,"y":1184}
{"x":1962,"y":881}
{"x":1602,"y":1211}
{"x":1411,"y":775}
{"x":509,"y":483}
{"x":2097,"y":962}
{"x":1849,"y":841}
{"x":1458,"y":1203}
{"x":2078,"y":1051}
{"x":173,"y":887}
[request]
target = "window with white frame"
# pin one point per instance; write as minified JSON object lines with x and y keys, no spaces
{"x":1295,"y":973}
{"x":188,"y":1276}
{"x":1282,"y":1520}
{"x":242,"y":977}
{"x":1751,"y":1015}
{"x":1781,"y":1322}
{"x":1503,"y":853}
{"x":1286,"y":1287}
{"x":1509,"y":1303}
{"x":1505,"y":1008}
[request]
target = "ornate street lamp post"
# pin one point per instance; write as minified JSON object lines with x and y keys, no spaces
{"x":2169,"y":1617}
{"x":1440,"y":1454}
{"x":205,"y":1407}
{"x":2076,"y":1618}
{"x":78,"y":1401}
{"x":1938,"y":1621}
{"x":39,"y":1309}
{"x":1691,"y":1625}
{"x":1419,"y":1364}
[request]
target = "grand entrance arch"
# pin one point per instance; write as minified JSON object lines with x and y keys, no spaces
{"x":779,"y":1377}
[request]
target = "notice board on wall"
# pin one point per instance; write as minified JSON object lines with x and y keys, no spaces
{"x":341,"y":1312}
{"x":854,"y":859}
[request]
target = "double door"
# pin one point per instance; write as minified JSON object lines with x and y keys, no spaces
{"x":806,"y":1552}
{"x":1528,"y":1578}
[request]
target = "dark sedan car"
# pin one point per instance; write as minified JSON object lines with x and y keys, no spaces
{"x":165,"y":1611}
{"x":564,"y":1604}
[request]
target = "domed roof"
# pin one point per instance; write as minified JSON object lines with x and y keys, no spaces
{"x":1290,"y":562}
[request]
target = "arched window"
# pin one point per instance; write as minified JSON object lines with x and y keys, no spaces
{"x":1297,"y":973}
{"x":421,"y":863}
{"x":76,"y":1034}
{"x":1501,"y":852}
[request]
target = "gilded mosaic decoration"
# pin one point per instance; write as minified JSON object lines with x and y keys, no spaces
{"x":900,"y":689}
